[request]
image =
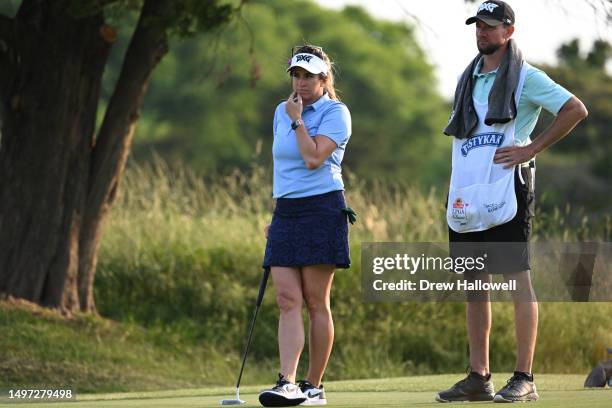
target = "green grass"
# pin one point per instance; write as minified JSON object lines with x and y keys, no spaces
{"x":183,"y":252}
{"x":554,"y":390}
{"x":40,"y":348}
{"x":178,"y":273}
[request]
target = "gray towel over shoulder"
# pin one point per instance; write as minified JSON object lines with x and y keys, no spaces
{"x":502,"y":107}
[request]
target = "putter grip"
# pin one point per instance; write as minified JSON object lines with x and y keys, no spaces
{"x":262,"y":286}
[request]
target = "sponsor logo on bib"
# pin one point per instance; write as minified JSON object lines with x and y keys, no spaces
{"x":481,"y":140}
{"x":494,"y":206}
{"x":458,"y":211}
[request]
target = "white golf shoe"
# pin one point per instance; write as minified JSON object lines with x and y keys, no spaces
{"x":283,"y":394}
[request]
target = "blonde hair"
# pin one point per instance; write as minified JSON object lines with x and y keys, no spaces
{"x":330,"y":87}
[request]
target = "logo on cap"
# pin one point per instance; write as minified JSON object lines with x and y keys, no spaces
{"x":493,"y":12}
{"x":306,"y":58}
{"x":487,"y":6}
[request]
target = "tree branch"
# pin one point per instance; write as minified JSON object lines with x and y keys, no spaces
{"x":148,"y":46}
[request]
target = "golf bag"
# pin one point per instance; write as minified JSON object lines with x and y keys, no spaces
{"x":601,"y":374}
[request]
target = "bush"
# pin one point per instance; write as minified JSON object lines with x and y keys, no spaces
{"x":184,"y":254}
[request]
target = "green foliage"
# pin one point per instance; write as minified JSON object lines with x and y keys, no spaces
{"x":9,"y":7}
{"x":570,"y":55}
{"x":189,"y":17}
{"x":184,"y":253}
{"x":178,"y":273}
{"x":580,"y":171}
{"x":184,"y":18}
{"x":212,"y":99}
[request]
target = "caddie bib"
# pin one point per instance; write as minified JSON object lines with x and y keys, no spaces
{"x":481,"y":193}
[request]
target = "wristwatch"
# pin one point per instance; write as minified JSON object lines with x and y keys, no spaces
{"x":296,"y":123}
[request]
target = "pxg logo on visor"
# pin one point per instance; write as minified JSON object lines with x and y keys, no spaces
{"x":309,"y":62}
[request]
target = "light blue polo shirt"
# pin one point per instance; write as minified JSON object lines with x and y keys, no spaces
{"x":292,"y":179}
{"x":539,"y":91}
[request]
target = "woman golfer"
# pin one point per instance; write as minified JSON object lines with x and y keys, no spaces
{"x":308,"y":236}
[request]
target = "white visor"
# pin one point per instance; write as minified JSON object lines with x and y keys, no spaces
{"x":310,"y":63}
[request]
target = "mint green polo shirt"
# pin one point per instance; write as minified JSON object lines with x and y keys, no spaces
{"x":539,"y":91}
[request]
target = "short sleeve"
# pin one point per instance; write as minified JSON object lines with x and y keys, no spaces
{"x":336,"y":124}
{"x":542,"y":91}
{"x":276,"y":117}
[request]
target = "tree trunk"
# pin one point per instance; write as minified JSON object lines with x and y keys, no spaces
{"x":148,"y":46}
{"x":57,"y":181}
{"x":54,"y":64}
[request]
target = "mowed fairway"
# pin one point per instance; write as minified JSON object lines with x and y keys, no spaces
{"x":555,"y":391}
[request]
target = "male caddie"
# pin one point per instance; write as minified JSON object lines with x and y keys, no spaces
{"x":491,"y":196}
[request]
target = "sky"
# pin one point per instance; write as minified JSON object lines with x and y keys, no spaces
{"x":541,"y":27}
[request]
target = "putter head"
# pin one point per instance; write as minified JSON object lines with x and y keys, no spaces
{"x":232,"y":402}
{"x":235,"y":401}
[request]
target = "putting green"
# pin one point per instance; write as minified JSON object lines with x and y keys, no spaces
{"x":555,"y":391}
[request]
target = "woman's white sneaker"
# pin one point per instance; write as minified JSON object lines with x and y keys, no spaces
{"x":283,"y":394}
{"x":314,"y":395}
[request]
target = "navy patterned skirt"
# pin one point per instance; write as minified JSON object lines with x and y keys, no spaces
{"x":309,"y":231}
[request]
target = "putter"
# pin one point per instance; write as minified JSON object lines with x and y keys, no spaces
{"x":262,"y":289}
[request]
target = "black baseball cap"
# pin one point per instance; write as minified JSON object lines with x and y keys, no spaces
{"x":493,"y":13}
